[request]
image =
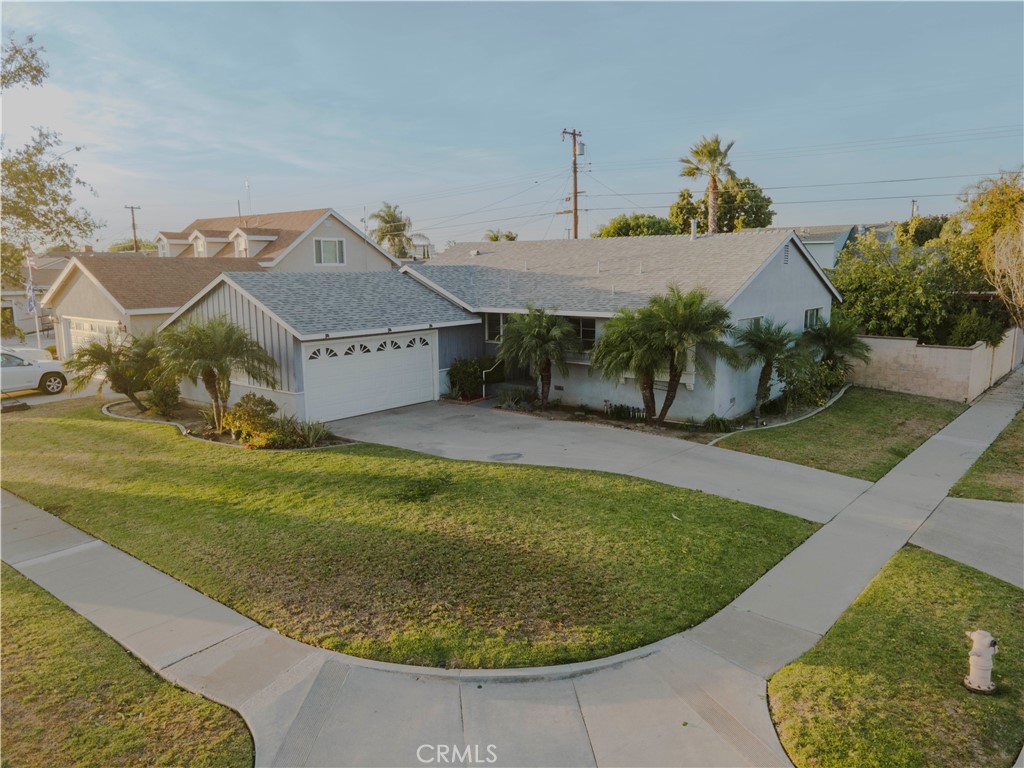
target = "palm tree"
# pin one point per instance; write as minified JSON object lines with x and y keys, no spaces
{"x":837,"y":341}
{"x":393,"y":229}
{"x":211,"y":352}
{"x":709,"y":158}
{"x":496,"y":235}
{"x":126,"y":364}
{"x":764,"y":343}
{"x":539,"y":340}
{"x":680,"y":324}
{"x":626,"y":346}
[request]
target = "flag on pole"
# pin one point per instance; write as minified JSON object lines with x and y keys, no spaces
{"x":31,"y":299}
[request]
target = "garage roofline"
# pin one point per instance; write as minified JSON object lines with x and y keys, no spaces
{"x":329,"y":335}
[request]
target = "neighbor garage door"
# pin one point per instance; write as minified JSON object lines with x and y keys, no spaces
{"x":374,"y":373}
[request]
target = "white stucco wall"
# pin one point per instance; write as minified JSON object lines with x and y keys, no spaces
{"x":360,"y":256}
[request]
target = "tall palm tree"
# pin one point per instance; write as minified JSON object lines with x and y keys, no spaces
{"x":765,"y":343}
{"x":691,"y":331}
{"x":211,"y":352}
{"x":126,"y":364}
{"x":627,"y":346}
{"x":837,"y":342}
{"x":539,"y":340}
{"x":392,"y":230}
{"x":709,"y":158}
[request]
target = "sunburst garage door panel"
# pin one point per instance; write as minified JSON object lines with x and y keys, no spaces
{"x":356,"y":376}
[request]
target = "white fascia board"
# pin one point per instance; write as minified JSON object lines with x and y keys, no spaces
{"x":63,"y":276}
{"x":327,"y":336}
{"x":160,"y":236}
{"x":406,"y":270}
{"x":329,"y":213}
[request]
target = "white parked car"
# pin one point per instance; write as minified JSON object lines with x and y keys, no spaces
{"x":17,"y":374}
{"x":29,"y":353}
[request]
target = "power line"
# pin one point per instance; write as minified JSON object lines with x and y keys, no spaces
{"x":809,"y":202}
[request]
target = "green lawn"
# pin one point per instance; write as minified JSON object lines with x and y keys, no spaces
{"x":884,"y":687}
{"x":865,"y":434}
{"x":72,"y":696}
{"x":999,"y":474}
{"x":394,"y":555}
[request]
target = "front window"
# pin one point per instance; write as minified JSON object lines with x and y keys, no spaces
{"x":495,"y":325}
{"x":329,"y":251}
{"x":586,"y":329}
{"x":812,"y":317}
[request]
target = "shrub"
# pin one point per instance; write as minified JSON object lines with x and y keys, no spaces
{"x":972,"y":326}
{"x":52,"y":349}
{"x":282,"y":432}
{"x":715,"y":423}
{"x":164,"y":397}
{"x":251,"y":414}
{"x":312,"y":433}
{"x":466,"y":376}
{"x":807,"y":382}
{"x":624,"y":412}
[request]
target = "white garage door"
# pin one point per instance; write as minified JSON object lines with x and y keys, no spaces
{"x":81,"y":332}
{"x":351,"y":377}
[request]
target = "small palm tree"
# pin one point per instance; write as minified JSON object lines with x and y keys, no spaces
{"x":392,"y":230}
{"x":211,"y":352}
{"x":626,"y":346}
{"x":837,"y":342}
{"x":496,"y":235}
{"x":709,"y":158}
{"x":764,"y":343}
{"x":126,"y":364}
{"x":539,"y":340}
{"x":680,"y":325}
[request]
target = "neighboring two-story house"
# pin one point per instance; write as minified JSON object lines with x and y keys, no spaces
{"x":96,"y":296}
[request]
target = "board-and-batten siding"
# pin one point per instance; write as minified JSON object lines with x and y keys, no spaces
{"x":242,"y":311}
{"x":459,"y":341}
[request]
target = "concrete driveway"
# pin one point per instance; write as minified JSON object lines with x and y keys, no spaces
{"x":490,"y":434}
{"x":35,"y":397}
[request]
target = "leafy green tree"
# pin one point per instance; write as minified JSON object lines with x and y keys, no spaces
{"x":709,"y":158}
{"x":627,"y":347}
{"x":637,"y":225}
{"x":393,"y":230}
{"x":742,"y":204}
{"x":922,"y":229}
{"x":8,"y":328}
{"x":127,"y":364}
{"x":496,"y":235}
{"x":11,"y":262}
{"x":836,"y":343}
{"x":690,"y":329}
{"x":539,"y":340}
{"x":211,"y":352}
{"x":124,"y":246}
{"x":38,"y":184}
{"x":764,"y":343}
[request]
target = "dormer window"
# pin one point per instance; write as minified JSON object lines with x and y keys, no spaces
{"x":241,"y":251}
{"x":200,"y":245}
{"x":162,"y":248}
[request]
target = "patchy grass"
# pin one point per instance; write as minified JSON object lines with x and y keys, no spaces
{"x":394,"y":555}
{"x":72,"y":696}
{"x":998,"y":475}
{"x":865,"y":434}
{"x":884,"y":687}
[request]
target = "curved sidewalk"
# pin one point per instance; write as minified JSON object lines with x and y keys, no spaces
{"x":694,"y":699}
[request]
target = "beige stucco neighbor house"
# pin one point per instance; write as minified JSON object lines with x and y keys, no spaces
{"x":96,"y":296}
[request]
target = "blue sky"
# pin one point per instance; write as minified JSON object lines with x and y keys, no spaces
{"x":454,"y":110}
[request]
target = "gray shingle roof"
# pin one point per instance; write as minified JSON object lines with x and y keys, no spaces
{"x":599,"y":274}
{"x":323,"y":302}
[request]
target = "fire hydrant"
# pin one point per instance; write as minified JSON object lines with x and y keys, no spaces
{"x":984,"y":648}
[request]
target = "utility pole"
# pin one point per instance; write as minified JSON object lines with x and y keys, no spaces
{"x":576,"y":150}
{"x":135,"y":239}
{"x":913,"y":208}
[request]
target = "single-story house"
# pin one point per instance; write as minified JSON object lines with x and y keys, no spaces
{"x":356,"y":343}
{"x":754,"y":273}
{"x":128,"y":293}
{"x":97,"y":296}
{"x":345,"y":344}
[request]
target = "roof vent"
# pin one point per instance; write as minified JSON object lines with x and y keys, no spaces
{"x":474,"y":252}
{"x":785,"y":254}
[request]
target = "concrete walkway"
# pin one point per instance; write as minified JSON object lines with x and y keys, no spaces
{"x":694,"y":699}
